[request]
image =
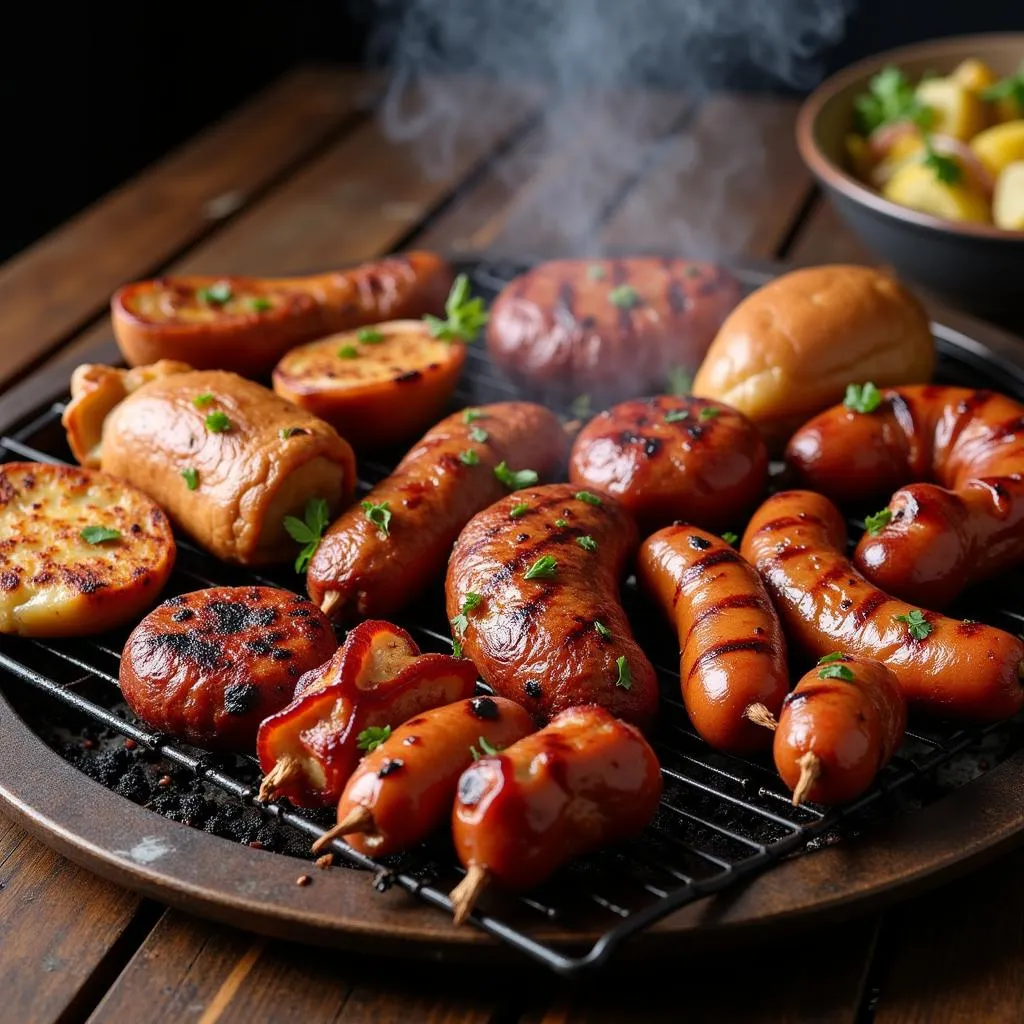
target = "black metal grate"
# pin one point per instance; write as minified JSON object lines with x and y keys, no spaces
{"x":722,"y":818}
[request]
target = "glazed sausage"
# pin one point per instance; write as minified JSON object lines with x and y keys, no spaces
{"x":586,"y":780}
{"x":376,"y":680}
{"x":209,"y":666}
{"x":671,"y":458}
{"x":838,"y":728}
{"x":405,"y":788}
{"x":957,"y":456}
{"x":227,"y":459}
{"x":610,"y":329}
{"x":733,"y":652}
{"x":533,"y":596}
{"x":796,"y":540}
{"x":451,"y":474}
{"x":245,"y":324}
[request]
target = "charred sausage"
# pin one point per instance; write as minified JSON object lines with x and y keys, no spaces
{"x":671,"y":458}
{"x":610,"y":329}
{"x":382,"y":553}
{"x":533,"y":597}
{"x":957,"y":456}
{"x":796,"y":540}
{"x":733,"y":652}
{"x":405,"y":788}
{"x":586,"y":780}
{"x":210,"y":665}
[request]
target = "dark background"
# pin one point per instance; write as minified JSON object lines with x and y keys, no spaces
{"x":91,"y":94}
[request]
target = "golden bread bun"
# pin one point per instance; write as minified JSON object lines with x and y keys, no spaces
{"x":789,"y":350}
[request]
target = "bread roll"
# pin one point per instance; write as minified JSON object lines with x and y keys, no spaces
{"x":789,"y":350}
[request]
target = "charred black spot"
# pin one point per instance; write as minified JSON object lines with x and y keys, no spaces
{"x":521,"y":537}
{"x":390,"y":767}
{"x":677,"y":298}
{"x":240,"y":698}
{"x":407,"y":378}
{"x":484,"y":707}
{"x":183,"y":615}
{"x":845,"y":604}
{"x":135,"y":529}
{"x":191,"y":647}
{"x":652,"y":446}
{"x":533,"y":689}
{"x":175,"y":601}
{"x":300,"y":613}
{"x":9,"y":579}
{"x":280,"y":654}
{"x":234,"y":616}
{"x":699,"y":543}
{"x":259,"y":646}
{"x":695,"y":430}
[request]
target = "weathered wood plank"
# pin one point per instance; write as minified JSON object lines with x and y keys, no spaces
{"x":824,"y":238}
{"x":66,"y":279}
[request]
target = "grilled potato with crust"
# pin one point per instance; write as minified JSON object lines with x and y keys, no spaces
{"x":80,"y":551}
{"x":378,"y":386}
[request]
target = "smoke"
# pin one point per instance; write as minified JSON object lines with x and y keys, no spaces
{"x":602,"y":63}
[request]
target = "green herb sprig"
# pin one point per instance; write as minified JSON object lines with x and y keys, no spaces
{"x":309,"y":530}
{"x":466,"y":317}
{"x":372,"y":737}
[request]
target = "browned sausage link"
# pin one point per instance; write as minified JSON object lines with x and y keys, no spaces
{"x":796,"y":540}
{"x":733,"y":653}
{"x":361,"y":570}
{"x":535,"y":579}
{"x":931,"y":541}
{"x":838,"y":728}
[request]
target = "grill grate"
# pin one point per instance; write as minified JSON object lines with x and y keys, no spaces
{"x":722,"y":819}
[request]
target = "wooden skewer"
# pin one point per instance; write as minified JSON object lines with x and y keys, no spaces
{"x":285,"y":768}
{"x":467,"y":892}
{"x":810,"y":769}
{"x":331,"y":601}
{"x":760,"y":715}
{"x":359,"y":819}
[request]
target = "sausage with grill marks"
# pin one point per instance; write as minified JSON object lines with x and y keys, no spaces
{"x":733,"y":652}
{"x":533,"y":595}
{"x":796,"y":540}
{"x":362,"y":569}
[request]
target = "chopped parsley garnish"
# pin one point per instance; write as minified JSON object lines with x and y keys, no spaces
{"x":487,"y":748}
{"x":515,"y":480}
{"x":478,"y":434}
{"x":217,"y":422}
{"x":709,"y":412}
{"x":836,"y":672}
{"x":625,"y":679}
{"x":917,"y":625}
{"x":587,"y":543}
{"x":456,"y":648}
{"x":624,"y":296}
{"x":581,"y":407}
{"x":260,"y":304}
{"x":679,"y":381}
{"x":471,"y":415}
{"x":372,"y":737}
{"x":834,"y":656}
{"x":561,"y":523}
{"x":472,"y":601}
{"x":379,"y":515}
{"x":308,"y":532}
{"x":460,"y":623}
{"x":348,"y":352}
{"x":191,"y":477}
{"x":216,"y":295}
{"x":730,"y":538}
{"x":602,"y":630}
{"x":200,"y":401}
{"x":99,"y":534}
{"x":878,"y":522}
{"x":543,"y":569}
{"x":590,"y":499}
{"x":864,"y":398}
{"x":1011,"y":87}
{"x":890,"y":98}
{"x":596,"y":272}
{"x":369,"y":336}
{"x":465,"y":316}
{"x":469,"y":457}
{"x":944,"y":167}
{"x":677,"y":415}
{"x":518,"y":510}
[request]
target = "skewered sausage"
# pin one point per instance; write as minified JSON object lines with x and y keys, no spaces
{"x":964,"y":523}
{"x":384,"y":552}
{"x":796,"y":540}
{"x":375,"y":681}
{"x":671,"y":458}
{"x":838,"y":728}
{"x":210,"y":665}
{"x":586,"y":780}
{"x":405,"y":788}
{"x":533,"y":597}
{"x":733,"y":652}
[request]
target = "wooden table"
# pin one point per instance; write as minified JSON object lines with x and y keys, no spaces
{"x":304,"y":178}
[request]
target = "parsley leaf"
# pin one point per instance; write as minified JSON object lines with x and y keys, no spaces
{"x":478,"y":434}
{"x":514,"y":480}
{"x":679,"y":381}
{"x":191,"y":477}
{"x":469,"y":457}
{"x":544,"y":568}
{"x":469,"y":415}
{"x":99,"y":534}
{"x":379,"y":515}
{"x":372,"y":737}
{"x":944,"y":167}
{"x":472,"y":601}
{"x":369,"y":336}
{"x":460,"y":624}
{"x":308,"y":532}
{"x":730,"y":538}
{"x":348,"y":352}
{"x":677,"y":415}
{"x":878,"y":522}
{"x":488,"y":749}
{"x":1011,"y":87}
{"x":581,"y":407}
{"x":217,"y":422}
{"x":260,"y":304}
{"x":465,"y":316}
{"x":596,"y":272}
{"x":216,"y":294}
{"x":836,"y":672}
{"x":518,"y":510}
{"x":864,"y":398}
{"x":203,"y":400}
{"x":890,"y":98}
{"x":602,"y":630}
{"x":709,"y":412}
{"x":834,"y":656}
{"x":625,"y":679}
{"x":590,"y":499}
{"x":624,"y":296}
{"x":587,"y":543}
{"x":456,"y":649}
{"x":917,"y":625}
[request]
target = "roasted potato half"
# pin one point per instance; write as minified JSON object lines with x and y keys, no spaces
{"x":378,"y":386}
{"x":80,"y":551}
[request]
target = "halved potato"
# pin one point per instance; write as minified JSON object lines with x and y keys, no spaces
{"x":1008,"y":203}
{"x":377,"y":386}
{"x":958,"y":111}
{"x":917,"y":186}
{"x":80,"y":551}
{"x":974,"y":75}
{"x":1000,"y":145}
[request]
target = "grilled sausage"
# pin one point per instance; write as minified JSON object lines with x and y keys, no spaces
{"x":405,"y":788}
{"x":227,"y":459}
{"x":733,"y":652}
{"x":209,"y":666}
{"x":610,"y":329}
{"x":796,"y":540}
{"x":533,"y":595}
{"x":838,"y":728}
{"x":671,"y":458}
{"x":585,"y":780}
{"x":376,"y":680}
{"x":366,"y":567}
{"x":964,"y":523}
{"x":245,"y":324}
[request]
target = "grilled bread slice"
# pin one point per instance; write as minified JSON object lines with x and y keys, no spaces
{"x":378,"y":386}
{"x":80,"y":551}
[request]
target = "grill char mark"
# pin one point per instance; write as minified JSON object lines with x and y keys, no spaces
{"x":729,"y":647}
